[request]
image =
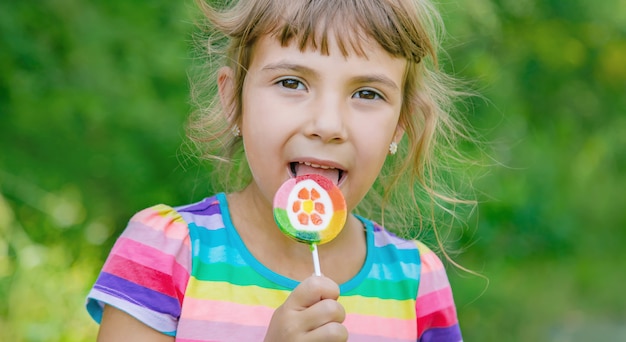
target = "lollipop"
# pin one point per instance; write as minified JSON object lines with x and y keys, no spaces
{"x":310,"y":209}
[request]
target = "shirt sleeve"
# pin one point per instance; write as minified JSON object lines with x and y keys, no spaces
{"x":436,"y":313}
{"x":147,"y":271}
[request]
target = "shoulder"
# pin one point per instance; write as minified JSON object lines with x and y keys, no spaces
{"x":389,"y":250}
{"x":205,"y":212}
{"x":162,"y":225}
{"x":161,"y":218}
{"x":433,"y":279}
{"x":434,"y":304}
{"x":385,"y":238}
{"x":173,"y":221}
{"x":432,"y":271}
{"x":429,"y":262}
{"x":394,"y":255}
{"x":148,"y":268}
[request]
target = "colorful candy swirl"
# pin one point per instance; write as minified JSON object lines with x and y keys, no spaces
{"x":310,"y":209}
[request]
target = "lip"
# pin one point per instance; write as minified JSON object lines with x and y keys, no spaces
{"x":318,"y":163}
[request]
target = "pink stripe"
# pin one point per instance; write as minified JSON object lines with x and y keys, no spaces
{"x":379,"y":326}
{"x":252,"y":317}
{"x":212,"y":310}
{"x":431,"y":282}
{"x":157,"y":260}
{"x":430,"y":261}
{"x":434,"y":301}
{"x":195,"y":331}
{"x":149,"y":237}
{"x":281,"y":196}
{"x":433,"y":276}
{"x":143,"y":276}
{"x":165,"y":219}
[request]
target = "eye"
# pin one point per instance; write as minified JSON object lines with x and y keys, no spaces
{"x":367,"y":94}
{"x":291,"y":83}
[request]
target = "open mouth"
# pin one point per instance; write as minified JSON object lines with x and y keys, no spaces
{"x":303,"y":168}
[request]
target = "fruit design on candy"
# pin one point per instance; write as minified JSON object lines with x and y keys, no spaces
{"x":310,"y":209}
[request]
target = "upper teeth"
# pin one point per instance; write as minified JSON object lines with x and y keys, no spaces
{"x":317,"y":165}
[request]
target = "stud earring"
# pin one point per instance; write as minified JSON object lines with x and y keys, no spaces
{"x":393,"y":148}
{"x":236,"y":131}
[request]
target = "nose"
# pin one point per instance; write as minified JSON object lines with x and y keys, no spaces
{"x":328,"y":117}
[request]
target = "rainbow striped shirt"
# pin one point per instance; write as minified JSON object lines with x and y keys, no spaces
{"x":186,"y":273}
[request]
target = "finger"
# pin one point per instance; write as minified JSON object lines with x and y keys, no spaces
{"x":312,"y":290}
{"x":327,"y":310}
{"x":322,"y":313}
{"x":332,"y":331}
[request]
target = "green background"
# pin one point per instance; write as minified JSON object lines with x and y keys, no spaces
{"x":94,"y":98}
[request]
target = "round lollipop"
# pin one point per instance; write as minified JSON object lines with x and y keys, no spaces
{"x":310,"y":209}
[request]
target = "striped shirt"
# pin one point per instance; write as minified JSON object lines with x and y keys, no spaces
{"x":186,"y":272}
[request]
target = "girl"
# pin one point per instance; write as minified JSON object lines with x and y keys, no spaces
{"x":308,"y":87}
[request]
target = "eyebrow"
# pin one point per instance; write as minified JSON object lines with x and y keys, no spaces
{"x":291,"y":67}
{"x":377,"y":78}
{"x":370,"y":78}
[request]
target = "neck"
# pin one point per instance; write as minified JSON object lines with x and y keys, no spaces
{"x":252,"y":217}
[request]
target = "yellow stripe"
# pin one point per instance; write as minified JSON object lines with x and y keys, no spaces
{"x":255,"y":295}
{"x":385,"y":308}
{"x":422,"y":248}
{"x":246,"y":295}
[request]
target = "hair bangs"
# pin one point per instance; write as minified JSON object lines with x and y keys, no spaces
{"x":310,"y":24}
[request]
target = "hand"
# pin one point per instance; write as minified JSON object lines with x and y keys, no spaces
{"x":310,"y":313}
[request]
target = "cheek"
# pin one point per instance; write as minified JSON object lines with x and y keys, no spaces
{"x":261,"y":114}
{"x":378,"y":134}
{"x":374,"y":146}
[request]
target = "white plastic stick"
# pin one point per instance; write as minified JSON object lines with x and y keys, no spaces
{"x":316,"y":260}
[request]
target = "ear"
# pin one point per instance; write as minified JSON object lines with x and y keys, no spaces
{"x":226,"y":90}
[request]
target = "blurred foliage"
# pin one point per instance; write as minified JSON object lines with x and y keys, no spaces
{"x":94,"y":98}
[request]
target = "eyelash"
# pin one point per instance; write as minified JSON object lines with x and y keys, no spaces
{"x":376,"y":95}
{"x":358,"y":94}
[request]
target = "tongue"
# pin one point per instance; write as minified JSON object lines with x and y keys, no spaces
{"x":331,"y":174}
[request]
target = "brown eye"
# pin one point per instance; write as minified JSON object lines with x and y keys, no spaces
{"x":291,"y":83}
{"x":367,"y":95}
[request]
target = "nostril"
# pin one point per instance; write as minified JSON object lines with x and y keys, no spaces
{"x":327,"y":127}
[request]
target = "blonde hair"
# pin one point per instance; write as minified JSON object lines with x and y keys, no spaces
{"x":404,"y":28}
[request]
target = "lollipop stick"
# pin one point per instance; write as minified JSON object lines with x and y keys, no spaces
{"x":316,"y":259}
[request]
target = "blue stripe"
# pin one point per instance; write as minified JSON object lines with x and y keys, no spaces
{"x":210,"y":238}
{"x":395,"y":272}
{"x":390,"y":253}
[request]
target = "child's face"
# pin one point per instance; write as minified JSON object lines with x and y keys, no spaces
{"x":334,"y":111}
